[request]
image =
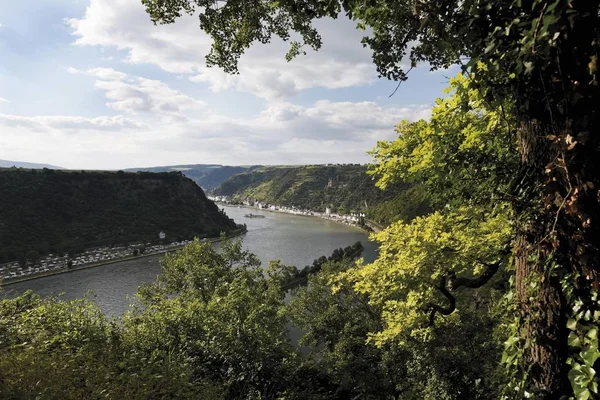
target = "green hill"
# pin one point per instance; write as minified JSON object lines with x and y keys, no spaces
{"x":208,"y":176}
{"x":49,"y":211}
{"x":344,"y":188}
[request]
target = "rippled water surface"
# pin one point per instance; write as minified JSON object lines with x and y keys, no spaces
{"x":295,"y":240}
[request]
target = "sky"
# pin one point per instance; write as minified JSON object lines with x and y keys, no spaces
{"x":94,"y":84}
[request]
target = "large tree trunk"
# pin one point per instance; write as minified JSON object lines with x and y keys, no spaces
{"x":543,"y":321}
{"x":542,"y":307}
{"x":556,"y":202}
{"x":558,"y":212}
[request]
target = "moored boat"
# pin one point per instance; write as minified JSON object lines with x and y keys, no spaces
{"x":253,"y":216}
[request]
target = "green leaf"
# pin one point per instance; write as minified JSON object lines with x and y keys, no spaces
{"x":592,"y":333}
{"x":572,"y":324}
{"x":589,"y":371}
{"x":593,"y":387}
{"x":590,"y":355}
{"x":574,"y":340}
{"x":582,"y":393}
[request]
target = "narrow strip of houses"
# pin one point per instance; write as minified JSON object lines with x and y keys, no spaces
{"x":53,"y":262}
{"x":351,"y":219}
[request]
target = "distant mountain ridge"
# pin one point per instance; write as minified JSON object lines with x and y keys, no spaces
{"x":21,"y":164}
{"x":208,"y":176}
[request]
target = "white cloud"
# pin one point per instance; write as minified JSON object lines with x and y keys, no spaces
{"x":181,"y":48}
{"x":69,"y":123}
{"x":74,"y":71}
{"x":124,"y":24}
{"x":137,"y":95}
{"x":108,"y":74}
{"x":346,"y":121}
{"x":158,"y":124}
{"x":283,"y":133}
{"x":3,"y":100}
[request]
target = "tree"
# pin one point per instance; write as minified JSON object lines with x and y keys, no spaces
{"x":538,"y":56}
{"x":463,"y":156}
{"x":335,"y":329}
{"x":47,"y":345}
{"x":338,"y":327}
{"x":212,"y":327}
{"x":223,"y":315}
{"x":52,"y":348}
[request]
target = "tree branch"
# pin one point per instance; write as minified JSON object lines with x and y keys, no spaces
{"x":435,"y":308}
{"x":455,"y":282}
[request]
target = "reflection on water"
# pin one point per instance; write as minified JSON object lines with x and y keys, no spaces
{"x":295,"y":240}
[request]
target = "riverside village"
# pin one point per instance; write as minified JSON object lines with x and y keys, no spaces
{"x":356,"y":219}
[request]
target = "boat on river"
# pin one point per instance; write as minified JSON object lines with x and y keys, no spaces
{"x":253,"y":216}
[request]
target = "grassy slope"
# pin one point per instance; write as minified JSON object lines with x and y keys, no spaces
{"x":344,"y":188}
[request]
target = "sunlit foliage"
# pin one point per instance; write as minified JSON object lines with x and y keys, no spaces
{"x":412,"y":258}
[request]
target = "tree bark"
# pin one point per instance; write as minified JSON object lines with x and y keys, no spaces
{"x":557,"y":201}
{"x":557,"y":212}
{"x":543,"y":322}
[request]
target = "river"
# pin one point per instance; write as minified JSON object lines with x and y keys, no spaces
{"x":295,"y":240}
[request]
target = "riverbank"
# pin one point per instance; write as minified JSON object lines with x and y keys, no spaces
{"x":371,"y":228}
{"x":301,"y":276}
{"x":58,"y":271}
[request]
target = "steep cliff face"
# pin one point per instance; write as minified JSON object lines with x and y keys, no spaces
{"x":57,"y":211}
{"x":343,"y":188}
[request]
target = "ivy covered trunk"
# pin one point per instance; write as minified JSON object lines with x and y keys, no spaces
{"x":541,"y":302}
{"x":543,"y":321}
{"x":557,"y":255}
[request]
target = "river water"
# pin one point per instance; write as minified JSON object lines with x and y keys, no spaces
{"x":295,"y":240}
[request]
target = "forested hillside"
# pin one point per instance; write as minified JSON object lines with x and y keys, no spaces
{"x":344,"y":188}
{"x":208,"y":176}
{"x":49,"y":211}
